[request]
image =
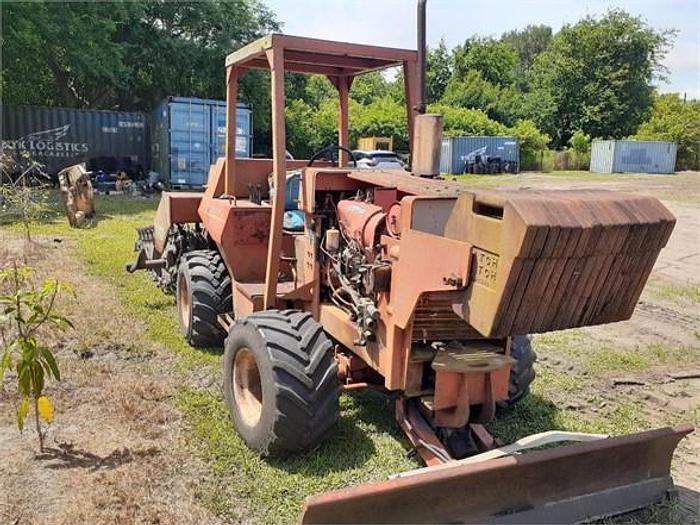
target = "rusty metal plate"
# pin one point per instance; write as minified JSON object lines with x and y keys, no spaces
{"x":471,"y":356}
{"x":550,"y":260}
{"x":568,"y":484}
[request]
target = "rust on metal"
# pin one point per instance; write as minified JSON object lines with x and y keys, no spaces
{"x":550,"y":260}
{"x":420,"y":433}
{"x":567,"y":484}
{"x":174,"y":208}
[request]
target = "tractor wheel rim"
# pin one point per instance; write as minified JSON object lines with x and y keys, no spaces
{"x":183,"y":300}
{"x":247,"y":387}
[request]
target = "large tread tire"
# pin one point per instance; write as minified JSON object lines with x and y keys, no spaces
{"x":522,"y":372}
{"x":207,"y":294}
{"x":298,"y":376}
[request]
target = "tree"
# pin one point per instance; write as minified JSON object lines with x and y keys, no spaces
{"x":64,"y":54}
{"x":438,"y":71}
{"x":318,"y":89}
{"x":496,"y":61}
{"x":462,"y":121}
{"x":528,"y":43}
{"x":383,"y":117}
{"x":303,"y":137}
{"x":471,"y":91}
{"x":123,"y":55}
{"x":675,"y":120}
{"x":504,"y":104}
{"x":368,"y":87}
{"x":596,"y":76}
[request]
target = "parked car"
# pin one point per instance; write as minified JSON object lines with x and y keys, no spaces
{"x":378,"y":160}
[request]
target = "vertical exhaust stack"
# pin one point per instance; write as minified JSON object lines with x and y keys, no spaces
{"x":427,"y":128}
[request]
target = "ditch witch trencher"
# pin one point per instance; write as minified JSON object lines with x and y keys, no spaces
{"x":412,"y":285}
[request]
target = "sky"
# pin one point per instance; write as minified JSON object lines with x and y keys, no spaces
{"x":392,"y":23}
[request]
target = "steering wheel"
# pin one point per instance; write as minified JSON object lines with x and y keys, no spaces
{"x":327,"y":149}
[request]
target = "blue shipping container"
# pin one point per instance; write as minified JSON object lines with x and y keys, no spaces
{"x":456,"y":151}
{"x":189,"y":134}
{"x":632,"y":156}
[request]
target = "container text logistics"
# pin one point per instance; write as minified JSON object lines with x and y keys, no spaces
{"x":179,"y":140}
{"x":60,"y":137}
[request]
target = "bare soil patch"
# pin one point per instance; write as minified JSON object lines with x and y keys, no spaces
{"x":113,"y":453}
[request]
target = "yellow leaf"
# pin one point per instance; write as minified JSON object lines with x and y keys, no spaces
{"x":45,"y":409}
{"x":22,"y":412}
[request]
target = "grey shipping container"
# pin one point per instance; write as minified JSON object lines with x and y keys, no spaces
{"x":189,"y":134}
{"x":456,"y":151}
{"x":60,"y":137}
{"x":632,"y":156}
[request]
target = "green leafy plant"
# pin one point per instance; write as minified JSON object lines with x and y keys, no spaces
{"x":27,"y":312}
{"x":580,"y":142}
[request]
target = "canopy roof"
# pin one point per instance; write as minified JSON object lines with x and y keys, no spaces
{"x":325,"y":57}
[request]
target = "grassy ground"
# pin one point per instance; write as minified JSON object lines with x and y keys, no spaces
{"x":367,"y":444}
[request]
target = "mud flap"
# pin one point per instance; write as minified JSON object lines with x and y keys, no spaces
{"x":567,"y":484}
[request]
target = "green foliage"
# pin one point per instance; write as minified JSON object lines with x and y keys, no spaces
{"x":528,"y":43}
{"x":25,"y":310}
{"x":471,"y":91}
{"x":580,"y":142}
{"x":368,"y":87}
{"x":532,"y":140}
{"x":463,"y":121}
{"x":309,"y":129}
{"x":318,"y":89}
{"x":496,"y":61}
{"x":676,"y":120}
{"x":384,"y":117}
{"x":129,"y":55}
{"x":302,"y":136}
{"x":596,"y":77}
{"x":474,"y":91}
{"x":123,"y":55}
{"x":438,"y":71}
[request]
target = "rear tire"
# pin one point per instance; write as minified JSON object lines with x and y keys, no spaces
{"x":287,"y":401}
{"x":203,"y":292}
{"x":522,"y":372}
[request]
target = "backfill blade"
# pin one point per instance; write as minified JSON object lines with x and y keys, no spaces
{"x":568,"y":484}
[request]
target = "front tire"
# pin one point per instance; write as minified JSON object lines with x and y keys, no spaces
{"x":281,"y":381}
{"x":203,"y":292}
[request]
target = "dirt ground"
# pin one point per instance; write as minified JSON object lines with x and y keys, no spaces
{"x":116,"y":453}
{"x":113,"y":455}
